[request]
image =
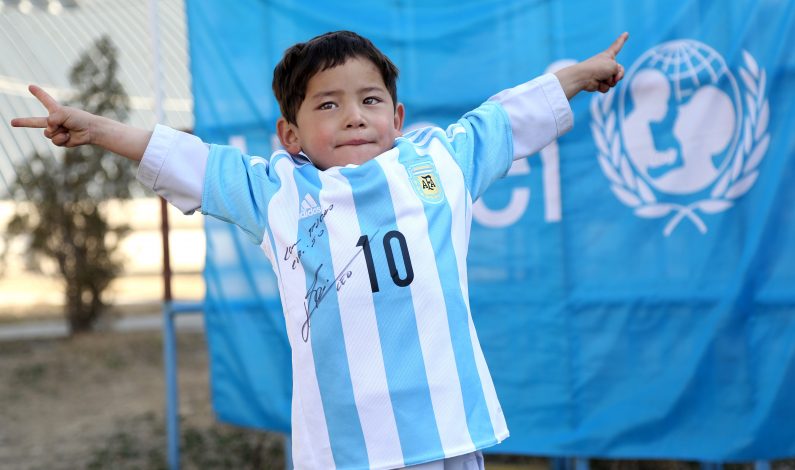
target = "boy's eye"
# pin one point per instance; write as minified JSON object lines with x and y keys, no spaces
{"x":372,"y":100}
{"x":327,"y":105}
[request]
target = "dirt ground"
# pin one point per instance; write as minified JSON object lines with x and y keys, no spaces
{"x":97,"y":401}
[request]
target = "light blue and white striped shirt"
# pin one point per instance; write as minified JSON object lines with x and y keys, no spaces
{"x":371,"y":264}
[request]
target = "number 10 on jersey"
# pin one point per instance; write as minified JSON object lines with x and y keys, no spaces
{"x":364,"y":242}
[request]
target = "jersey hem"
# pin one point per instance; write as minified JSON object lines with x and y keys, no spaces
{"x":458,"y":452}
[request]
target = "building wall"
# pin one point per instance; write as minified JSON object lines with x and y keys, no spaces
{"x":25,"y":293}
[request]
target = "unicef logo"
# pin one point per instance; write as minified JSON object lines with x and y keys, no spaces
{"x":680,"y":138}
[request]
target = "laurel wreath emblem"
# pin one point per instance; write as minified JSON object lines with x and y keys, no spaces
{"x":739,"y":176}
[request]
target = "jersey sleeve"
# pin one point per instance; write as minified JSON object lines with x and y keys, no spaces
{"x":513,"y":124}
{"x":538,"y":111}
{"x":237,"y":189}
{"x":482,"y":146}
{"x":219,"y":180}
{"x":173,"y":166}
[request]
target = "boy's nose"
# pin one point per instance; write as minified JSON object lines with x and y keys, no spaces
{"x":355,"y":118}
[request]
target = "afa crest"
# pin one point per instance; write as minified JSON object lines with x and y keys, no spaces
{"x":426,"y":183}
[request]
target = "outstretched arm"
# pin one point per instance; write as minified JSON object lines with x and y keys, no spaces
{"x":598,"y":73}
{"x":70,"y":127}
{"x":539,"y":110}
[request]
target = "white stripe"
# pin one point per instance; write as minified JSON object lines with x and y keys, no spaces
{"x":430,"y":135}
{"x":495,"y":410}
{"x":454,"y":130}
{"x":266,"y":247}
{"x":258,"y":161}
{"x":430,"y":150}
{"x":359,"y":325}
{"x":431,"y":314}
{"x":311,"y":443}
{"x":452,"y":179}
{"x":414,"y":136}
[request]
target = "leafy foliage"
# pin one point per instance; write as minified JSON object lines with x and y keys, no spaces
{"x":61,"y":217}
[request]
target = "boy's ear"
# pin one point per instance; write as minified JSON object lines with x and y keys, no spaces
{"x":288,"y":136}
{"x":400,"y":114}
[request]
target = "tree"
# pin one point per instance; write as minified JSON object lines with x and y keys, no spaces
{"x":61,"y":217}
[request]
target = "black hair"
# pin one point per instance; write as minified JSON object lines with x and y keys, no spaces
{"x":302,"y":61}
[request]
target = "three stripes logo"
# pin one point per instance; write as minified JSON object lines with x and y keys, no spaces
{"x":309,"y":207}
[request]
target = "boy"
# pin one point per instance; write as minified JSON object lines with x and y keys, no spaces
{"x":367,"y":230}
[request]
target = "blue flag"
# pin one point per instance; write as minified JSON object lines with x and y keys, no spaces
{"x":633,"y":285}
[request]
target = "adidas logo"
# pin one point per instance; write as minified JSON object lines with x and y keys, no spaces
{"x":309,"y":207}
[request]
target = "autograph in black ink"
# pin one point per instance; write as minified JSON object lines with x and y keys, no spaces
{"x":294,"y":250}
{"x":316,"y":230}
{"x":317,"y":292}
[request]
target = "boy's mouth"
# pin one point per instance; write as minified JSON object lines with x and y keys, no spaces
{"x":354,"y":142}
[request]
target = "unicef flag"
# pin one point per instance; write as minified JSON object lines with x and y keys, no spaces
{"x":633,"y":285}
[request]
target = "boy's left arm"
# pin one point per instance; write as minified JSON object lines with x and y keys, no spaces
{"x":598,"y":73}
{"x":539,"y":111}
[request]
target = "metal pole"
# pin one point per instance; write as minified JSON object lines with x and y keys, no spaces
{"x":288,"y":452}
{"x":172,"y":391}
{"x":154,"y":26}
{"x":166,"y":251}
{"x":169,"y":338}
{"x":171,"y":310}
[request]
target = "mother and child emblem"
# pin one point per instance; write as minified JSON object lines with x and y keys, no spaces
{"x":680,"y":138}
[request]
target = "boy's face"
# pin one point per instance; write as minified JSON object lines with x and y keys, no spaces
{"x":347,"y":117}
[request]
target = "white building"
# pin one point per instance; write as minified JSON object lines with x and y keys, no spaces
{"x":40,"y":40}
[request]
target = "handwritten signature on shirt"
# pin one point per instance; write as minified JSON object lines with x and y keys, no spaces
{"x":319,"y":289}
{"x":315,"y":231}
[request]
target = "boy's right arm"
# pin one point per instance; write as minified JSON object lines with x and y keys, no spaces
{"x":178,"y":181}
{"x":70,"y":127}
{"x":172,"y":163}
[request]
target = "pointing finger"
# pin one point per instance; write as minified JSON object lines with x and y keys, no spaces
{"x":44,"y":97}
{"x":34,"y":122}
{"x":615,"y":48}
{"x":620,"y":73}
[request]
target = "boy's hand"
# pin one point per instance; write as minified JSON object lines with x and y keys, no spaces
{"x":598,"y":73}
{"x":70,"y":127}
{"x":64,"y":126}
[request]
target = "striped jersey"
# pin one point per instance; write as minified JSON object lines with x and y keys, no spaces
{"x":371,"y":266}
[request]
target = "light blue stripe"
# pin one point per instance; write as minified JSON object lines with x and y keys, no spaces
{"x":413,"y":134}
{"x":439,"y":223}
{"x":416,"y":138}
{"x":410,"y":135}
{"x":397,"y":325}
{"x":328,"y":345}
